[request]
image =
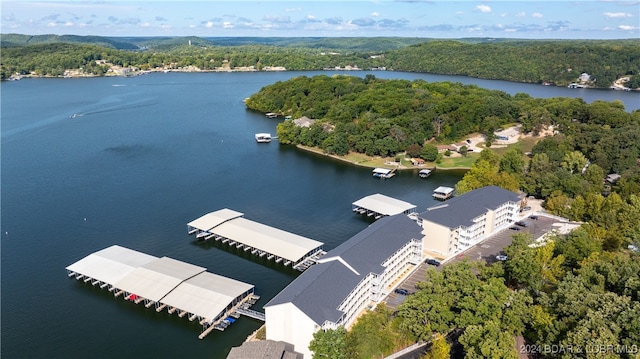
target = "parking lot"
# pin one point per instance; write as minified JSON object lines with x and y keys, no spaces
{"x":485,"y":250}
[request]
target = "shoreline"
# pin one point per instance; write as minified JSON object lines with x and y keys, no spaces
{"x":363,"y":164}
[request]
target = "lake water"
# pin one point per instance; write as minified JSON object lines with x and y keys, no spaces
{"x":142,"y":157}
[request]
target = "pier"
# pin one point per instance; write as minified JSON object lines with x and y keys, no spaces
{"x":164,"y":282}
{"x":378,"y":206}
{"x":231,"y":228}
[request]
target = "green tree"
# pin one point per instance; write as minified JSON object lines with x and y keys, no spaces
{"x":440,"y":348}
{"x":331,"y":344}
{"x":488,"y":340}
{"x":429,"y":152}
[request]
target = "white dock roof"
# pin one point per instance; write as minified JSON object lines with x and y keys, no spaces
{"x":110,"y":264}
{"x":157,"y":278}
{"x":206,"y":294}
{"x":272,"y":240}
{"x":381,"y":170}
{"x":213,"y":219}
{"x":442,"y":189}
{"x":385,"y":205}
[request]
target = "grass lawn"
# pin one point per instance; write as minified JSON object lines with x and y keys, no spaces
{"x":459,"y":162}
{"x":524,"y":144}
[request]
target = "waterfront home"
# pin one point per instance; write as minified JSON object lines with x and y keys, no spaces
{"x":354,"y":276}
{"x":465,"y":220}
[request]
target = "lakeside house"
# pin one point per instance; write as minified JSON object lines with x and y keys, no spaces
{"x":303,"y":121}
{"x":445,"y":148}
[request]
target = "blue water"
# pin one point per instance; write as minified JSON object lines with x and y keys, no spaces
{"x":88,"y":163}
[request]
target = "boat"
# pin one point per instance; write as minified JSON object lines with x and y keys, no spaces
{"x":271,"y":115}
{"x":383,"y":173}
{"x":263,"y":137}
{"x":424,"y":173}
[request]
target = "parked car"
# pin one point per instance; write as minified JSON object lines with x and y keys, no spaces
{"x":514,"y":228}
{"x":534,"y":217}
{"x":501,"y":257}
{"x":432,"y":262}
{"x":526,"y":208}
{"x":522,"y":224}
{"x":402,"y":291}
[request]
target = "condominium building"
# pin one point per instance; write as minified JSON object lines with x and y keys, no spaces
{"x":354,"y":276}
{"x":465,"y":220}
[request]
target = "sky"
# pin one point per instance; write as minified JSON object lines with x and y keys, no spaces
{"x":550,"y":19}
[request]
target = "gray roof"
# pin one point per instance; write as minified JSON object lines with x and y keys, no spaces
{"x":321,"y":289}
{"x":267,"y":349}
{"x":461,"y":210}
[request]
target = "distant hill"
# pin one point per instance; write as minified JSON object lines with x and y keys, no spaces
{"x":167,"y":43}
{"x":12,"y":40}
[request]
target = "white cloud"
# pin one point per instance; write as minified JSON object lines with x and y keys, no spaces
{"x":484,"y":8}
{"x":613,"y":15}
{"x":311,"y":17}
{"x":537,"y":15}
{"x":209,"y":24}
{"x":521,"y":14}
{"x":227,"y":25}
{"x":375,"y":14}
{"x":628,"y":27}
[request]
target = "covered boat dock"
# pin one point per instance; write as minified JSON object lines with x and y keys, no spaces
{"x":164,"y":282}
{"x":378,"y":205}
{"x":230,"y":227}
{"x":383,"y":173}
{"x":443,"y":193}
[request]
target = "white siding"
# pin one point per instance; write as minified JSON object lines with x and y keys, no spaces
{"x":288,"y":323}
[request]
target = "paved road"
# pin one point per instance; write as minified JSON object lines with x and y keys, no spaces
{"x":485,"y":250}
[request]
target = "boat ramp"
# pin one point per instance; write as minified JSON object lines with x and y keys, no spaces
{"x":230,"y":227}
{"x":378,"y":205}
{"x":165,"y":283}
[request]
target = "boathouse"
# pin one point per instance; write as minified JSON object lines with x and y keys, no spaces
{"x":378,"y":205}
{"x":443,"y":193}
{"x":230,"y":227}
{"x":164,"y":282}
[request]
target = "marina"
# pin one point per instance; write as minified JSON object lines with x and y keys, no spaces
{"x":378,"y":206}
{"x":230,"y":227}
{"x":182,"y":288}
{"x":138,"y":188}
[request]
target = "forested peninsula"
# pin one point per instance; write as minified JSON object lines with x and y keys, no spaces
{"x":573,"y":296}
{"x":585,"y":63}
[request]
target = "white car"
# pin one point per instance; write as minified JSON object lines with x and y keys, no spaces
{"x":501,"y":257}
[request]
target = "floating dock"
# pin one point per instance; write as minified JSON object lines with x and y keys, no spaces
{"x":378,"y":205}
{"x":425,"y":173}
{"x":383,"y":172}
{"x":164,"y":282}
{"x":443,"y":193}
{"x":230,"y":227}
